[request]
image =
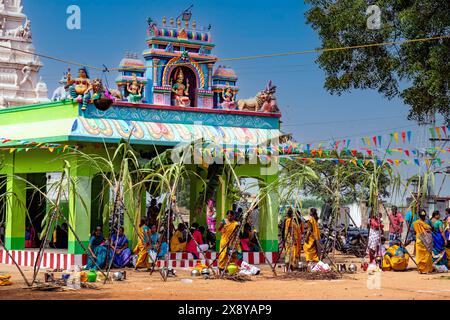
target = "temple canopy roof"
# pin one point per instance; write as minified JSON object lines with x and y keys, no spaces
{"x":143,"y":124}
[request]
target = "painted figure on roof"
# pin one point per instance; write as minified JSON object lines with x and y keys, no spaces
{"x":134,"y":91}
{"x":228,"y":99}
{"x":181,"y":90}
{"x":80,"y":88}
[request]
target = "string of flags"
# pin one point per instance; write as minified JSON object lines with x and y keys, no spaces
{"x":369,"y":141}
{"x":24,"y":145}
{"x":379,"y":162}
{"x":439,"y":132}
{"x":289,"y":151}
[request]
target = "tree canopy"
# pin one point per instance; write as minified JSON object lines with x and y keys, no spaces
{"x":417,"y":72}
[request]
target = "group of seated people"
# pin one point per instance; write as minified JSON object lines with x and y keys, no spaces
{"x":183,"y":241}
{"x":153,"y":245}
{"x":101,"y":251}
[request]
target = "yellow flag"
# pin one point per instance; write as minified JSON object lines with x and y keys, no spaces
{"x":396,"y":137}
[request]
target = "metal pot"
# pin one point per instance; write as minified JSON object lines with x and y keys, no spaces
{"x":171,"y":272}
{"x":195,"y":273}
{"x":352,"y":268}
{"x":205,"y":272}
{"x":118,"y":276}
{"x":302,"y":266}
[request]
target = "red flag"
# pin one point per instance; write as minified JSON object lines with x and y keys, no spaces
{"x":369,"y":152}
{"x":404,"y":136}
{"x":374,"y":140}
{"x":354,"y":152}
{"x":407,"y":152}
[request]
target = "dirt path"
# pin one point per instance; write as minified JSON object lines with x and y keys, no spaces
{"x":140,"y":285}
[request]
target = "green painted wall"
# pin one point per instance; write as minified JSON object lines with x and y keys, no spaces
{"x":39,"y":112}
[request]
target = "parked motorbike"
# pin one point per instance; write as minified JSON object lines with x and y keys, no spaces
{"x":350,"y":241}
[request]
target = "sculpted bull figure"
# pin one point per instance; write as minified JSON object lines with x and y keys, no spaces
{"x":264,"y":101}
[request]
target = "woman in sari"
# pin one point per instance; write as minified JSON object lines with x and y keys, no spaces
{"x":293,"y":240}
{"x":211,"y":216}
{"x":447,"y":247}
{"x":439,"y":240}
{"x":249,"y":242}
{"x":230,"y":249}
{"x":178,"y":241}
{"x":424,"y":244}
{"x":98,"y":251}
{"x":142,"y":246}
{"x":163,"y":247}
{"x":374,"y":243}
{"x":123,"y":254}
{"x":396,"y":258}
{"x":195,"y":239}
{"x":312,"y":238}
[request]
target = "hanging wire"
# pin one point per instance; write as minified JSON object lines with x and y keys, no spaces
{"x":254,"y":57}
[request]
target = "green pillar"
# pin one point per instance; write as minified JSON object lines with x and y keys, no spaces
{"x":268,"y":218}
{"x":195,"y":188}
{"x":135,"y":205}
{"x":15,"y":213}
{"x":79,"y":206}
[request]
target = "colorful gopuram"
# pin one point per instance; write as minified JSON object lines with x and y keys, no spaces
{"x":175,"y":94}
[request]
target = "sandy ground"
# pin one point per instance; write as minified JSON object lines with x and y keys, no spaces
{"x":407,"y":285}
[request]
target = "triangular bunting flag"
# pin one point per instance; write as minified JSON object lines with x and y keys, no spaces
{"x":432,"y":132}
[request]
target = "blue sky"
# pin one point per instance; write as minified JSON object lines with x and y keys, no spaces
{"x":240,"y":28}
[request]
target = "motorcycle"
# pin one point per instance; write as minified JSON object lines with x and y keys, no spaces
{"x":351,"y":241}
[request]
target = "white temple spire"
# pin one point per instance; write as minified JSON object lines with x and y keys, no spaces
{"x":19,"y":72}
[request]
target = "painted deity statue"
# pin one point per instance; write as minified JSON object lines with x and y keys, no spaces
{"x":134,"y":91}
{"x":80,"y":88}
{"x":181,"y":91}
{"x":228,"y":99}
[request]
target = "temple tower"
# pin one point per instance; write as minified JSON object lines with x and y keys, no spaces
{"x":20,"y":83}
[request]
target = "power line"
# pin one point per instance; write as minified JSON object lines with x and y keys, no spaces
{"x":52,"y":58}
{"x":284,"y":54}
{"x":261,"y":56}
